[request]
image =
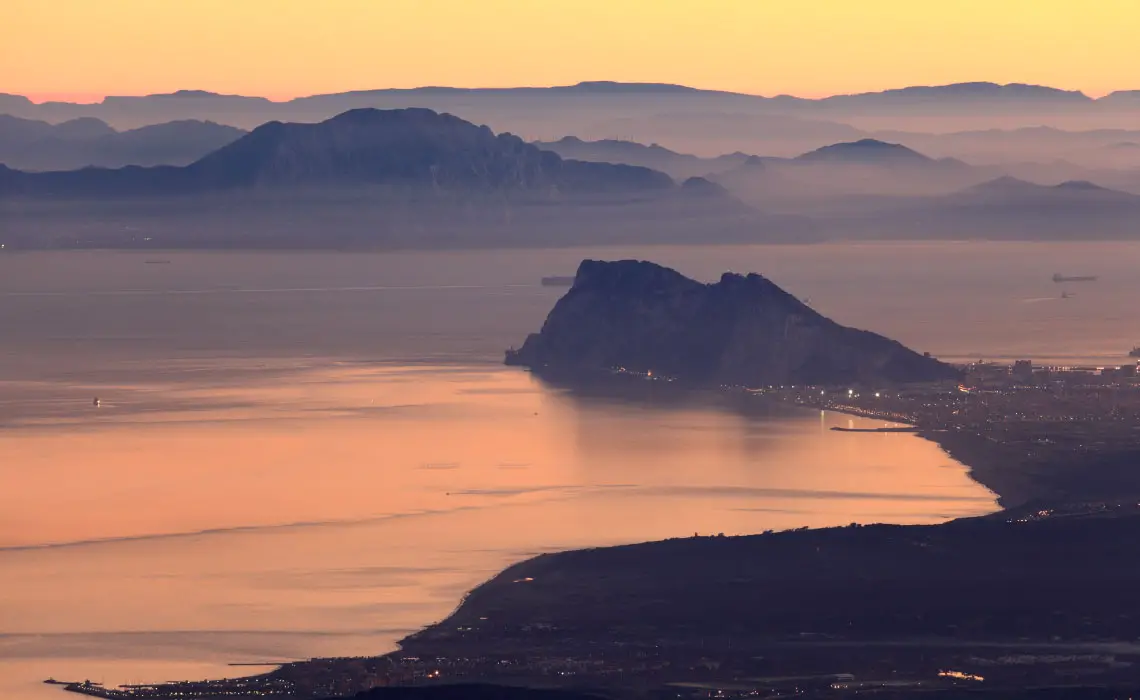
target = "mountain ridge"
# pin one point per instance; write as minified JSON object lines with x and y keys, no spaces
{"x":864,"y":150}
{"x":414,"y":146}
{"x":984,"y":89}
{"x":34,"y":145}
{"x":369,"y":179}
{"x":490,"y":104}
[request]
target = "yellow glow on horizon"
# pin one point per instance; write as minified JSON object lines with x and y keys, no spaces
{"x":283,"y":48}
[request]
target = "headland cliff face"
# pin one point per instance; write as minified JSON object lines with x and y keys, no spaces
{"x":743,"y":330}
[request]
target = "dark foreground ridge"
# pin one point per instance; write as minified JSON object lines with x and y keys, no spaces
{"x":1017,"y":599}
{"x":1012,"y":576}
{"x":472,"y":691}
{"x":1032,"y":604}
{"x":642,"y":318}
{"x":884,"y":691}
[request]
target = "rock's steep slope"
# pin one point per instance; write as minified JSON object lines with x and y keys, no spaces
{"x":742,"y":330}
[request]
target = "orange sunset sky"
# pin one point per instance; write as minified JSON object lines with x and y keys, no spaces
{"x":83,"y":49}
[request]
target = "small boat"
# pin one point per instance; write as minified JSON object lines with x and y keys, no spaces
{"x":96,"y":402}
{"x":557,"y":281}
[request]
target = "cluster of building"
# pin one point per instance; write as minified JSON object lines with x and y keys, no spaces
{"x":988,"y":395}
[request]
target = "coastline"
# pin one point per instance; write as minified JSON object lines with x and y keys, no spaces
{"x":986,"y":462}
{"x":1020,"y":481}
{"x":976,"y":453}
{"x":297,"y":672}
{"x":1011,"y":487}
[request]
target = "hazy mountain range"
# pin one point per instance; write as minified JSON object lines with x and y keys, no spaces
{"x":27,"y":144}
{"x":874,"y":189}
{"x":547,"y":112}
{"x":372,"y":178}
{"x":1094,"y":148}
{"x":652,"y":156}
{"x":868,"y":166}
{"x":1009,"y":208}
{"x":412,"y":148}
{"x":982,"y":123}
{"x":415,"y":177}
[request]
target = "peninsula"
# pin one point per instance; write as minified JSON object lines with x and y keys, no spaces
{"x":1044,"y":435}
{"x":638,"y":317}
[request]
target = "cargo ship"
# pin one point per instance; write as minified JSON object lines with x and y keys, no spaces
{"x":1058,"y":277}
{"x":558,"y":281}
{"x":1135,"y":352}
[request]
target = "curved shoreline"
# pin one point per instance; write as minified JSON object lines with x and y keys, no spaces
{"x":302,"y":668}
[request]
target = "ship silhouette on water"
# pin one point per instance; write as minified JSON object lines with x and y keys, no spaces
{"x":1058,"y":277}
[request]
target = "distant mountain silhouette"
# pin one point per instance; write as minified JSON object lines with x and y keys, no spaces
{"x":10,"y":104}
{"x":816,"y":181}
{"x":83,"y":128}
{"x":703,"y":187}
{"x":1007,"y":208}
{"x":415,"y":148}
{"x":592,"y":101}
{"x":641,"y":317}
{"x":865,"y":151}
{"x":409,"y":146}
{"x":963,"y":92}
{"x":712,"y":126}
{"x":193,"y":94}
{"x":1008,"y":190}
{"x":1086,"y":186}
{"x":368,"y":178}
{"x":611,"y":86}
{"x":632,"y":153}
{"x":1123,"y":98}
{"x":14,"y":130}
{"x":1085,"y":148}
{"x":35,"y":145}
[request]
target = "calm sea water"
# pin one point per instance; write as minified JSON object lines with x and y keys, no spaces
{"x":312,"y":454}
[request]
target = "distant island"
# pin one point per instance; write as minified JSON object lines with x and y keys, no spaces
{"x":638,"y":317}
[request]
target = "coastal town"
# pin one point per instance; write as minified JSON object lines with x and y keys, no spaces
{"x":1026,"y":432}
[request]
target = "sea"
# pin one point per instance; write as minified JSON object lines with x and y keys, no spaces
{"x":212,"y":462}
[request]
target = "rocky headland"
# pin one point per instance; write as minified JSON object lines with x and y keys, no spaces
{"x":638,"y":317}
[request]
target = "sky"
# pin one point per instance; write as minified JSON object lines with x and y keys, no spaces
{"x":84,"y":49}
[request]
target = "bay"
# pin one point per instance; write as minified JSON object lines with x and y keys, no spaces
{"x":312,"y":454}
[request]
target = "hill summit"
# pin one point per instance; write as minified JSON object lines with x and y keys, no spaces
{"x":743,"y":330}
{"x":408,"y":146}
{"x":864,"y":151}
